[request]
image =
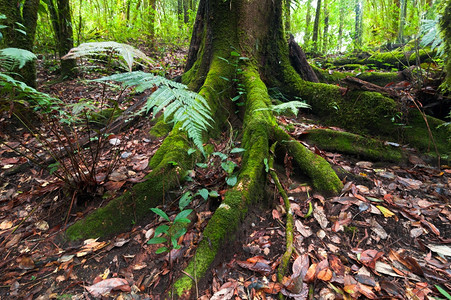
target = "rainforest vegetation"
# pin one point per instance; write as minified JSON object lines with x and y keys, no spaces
{"x":225,"y":149}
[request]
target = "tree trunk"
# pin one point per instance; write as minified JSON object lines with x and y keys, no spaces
{"x":308,"y":18}
{"x":62,"y":27}
{"x":358,"y":29}
{"x":13,"y":38}
{"x":254,"y":28}
{"x":151,"y":16}
{"x":402,"y":21}
{"x":287,"y":15}
{"x":316,"y":26}
{"x":341,"y":24}
{"x":445,"y":25}
{"x":326,"y":28}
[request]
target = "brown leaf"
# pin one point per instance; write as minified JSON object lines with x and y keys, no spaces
{"x":300,"y":266}
{"x":431,"y":227}
{"x":311,"y":272}
{"x":11,"y":160}
{"x":258,"y":258}
{"x":272,"y":288}
{"x":25,"y":263}
{"x":369,"y":257}
{"x":258,"y":267}
{"x":275,"y":214}
{"x":325,"y":274}
{"x":336,"y":264}
{"x":367,"y":291}
{"x":141,"y":165}
{"x":113,"y":185}
{"x":107,"y":285}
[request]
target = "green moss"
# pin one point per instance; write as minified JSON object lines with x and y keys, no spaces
{"x":380,"y":78}
{"x":161,"y":128}
{"x":105,"y":116}
{"x":248,"y":188}
{"x":417,"y":135}
{"x":348,"y":143}
{"x":315,"y":167}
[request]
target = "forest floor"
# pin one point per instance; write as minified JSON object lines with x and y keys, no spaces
{"x":388,"y":235}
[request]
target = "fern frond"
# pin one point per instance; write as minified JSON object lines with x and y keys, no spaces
{"x":183,"y":106}
{"x":11,"y":58}
{"x":290,"y":106}
{"x":128,"y":53}
{"x":16,"y":89}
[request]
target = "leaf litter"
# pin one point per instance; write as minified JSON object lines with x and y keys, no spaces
{"x":387,"y":234}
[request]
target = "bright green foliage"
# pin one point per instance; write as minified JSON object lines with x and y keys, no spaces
{"x":16,"y":90}
{"x":169,"y":234}
{"x":187,"y":108}
{"x":128,"y":53}
{"x":291,"y":107}
{"x":11,"y":58}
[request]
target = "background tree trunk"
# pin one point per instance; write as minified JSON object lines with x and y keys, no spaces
{"x":308,"y":18}
{"x":358,"y":29}
{"x":402,"y":21}
{"x":62,"y":26}
{"x":326,"y":28}
{"x":316,"y":26}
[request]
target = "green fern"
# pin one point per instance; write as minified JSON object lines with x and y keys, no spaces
{"x":11,"y":58}
{"x":15,"y":89}
{"x":290,"y":106}
{"x":184,"y":107}
{"x":126,"y":52}
{"x":431,"y":35}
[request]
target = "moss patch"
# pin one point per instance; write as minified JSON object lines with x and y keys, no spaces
{"x":416,"y":134}
{"x":348,"y":143}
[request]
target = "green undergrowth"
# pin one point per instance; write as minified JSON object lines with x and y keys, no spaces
{"x":353,"y":144}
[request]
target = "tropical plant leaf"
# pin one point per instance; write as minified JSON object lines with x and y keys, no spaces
{"x":182,"y":106}
{"x":160,"y":213}
{"x":128,"y":53}
{"x":11,"y":58}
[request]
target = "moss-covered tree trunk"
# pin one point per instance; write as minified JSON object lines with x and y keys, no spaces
{"x":20,"y":18}
{"x":62,"y":26}
{"x":240,"y":44}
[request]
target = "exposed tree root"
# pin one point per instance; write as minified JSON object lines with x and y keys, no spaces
{"x":260,"y":128}
{"x":283,"y":266}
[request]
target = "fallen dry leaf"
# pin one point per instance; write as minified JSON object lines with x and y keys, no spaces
{"x":108,"y":285}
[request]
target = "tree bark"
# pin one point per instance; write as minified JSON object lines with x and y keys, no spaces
{"x":445,"y":25}
{"x":316,"y":26}
{"x":299,"y":61}
{"x":308,"y":18}
{"x":358,"y":28}
{"x":326,"y":28}
{"x":62,"y":27}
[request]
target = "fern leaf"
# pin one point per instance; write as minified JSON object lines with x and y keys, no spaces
{"x":11,"y":58}
{"x":184,"y":107}
{"x":128,"y":53}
